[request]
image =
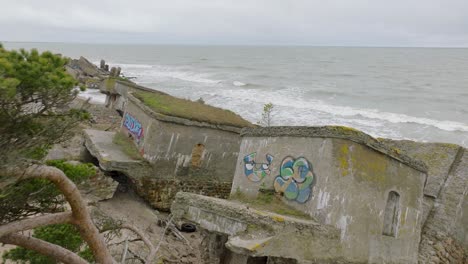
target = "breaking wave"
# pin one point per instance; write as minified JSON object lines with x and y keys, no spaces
{"x":156,"y":73}
{"x":237,"y":83}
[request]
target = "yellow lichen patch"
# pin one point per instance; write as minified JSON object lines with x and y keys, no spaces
{"x":110,"y":84}
{"x":257,"y":246}
{"x":403,"y":218}
{"x":278,"y":218}
{"x":396,"y":151}
{"x":345,"y":129}
{"x":262,"y":213}
{"x":369,"y":165}
{"x":344,"y":160}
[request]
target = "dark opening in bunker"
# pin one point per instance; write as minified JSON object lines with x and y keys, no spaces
{"x":125,"y":184}
{"x":391,"y":214}
{"x":197,"y":155}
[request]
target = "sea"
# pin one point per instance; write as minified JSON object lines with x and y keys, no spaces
{"x":419,"y":94}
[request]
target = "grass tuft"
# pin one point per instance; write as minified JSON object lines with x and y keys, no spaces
{"x":127,"y":145}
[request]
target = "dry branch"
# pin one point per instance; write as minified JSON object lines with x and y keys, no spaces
{"x":31,"y":223}
{"x":81,"y":216}
{"x":57,"y":252}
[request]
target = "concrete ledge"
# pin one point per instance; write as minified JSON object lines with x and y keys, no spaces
{"x":339,"y":132}
{"x":110,"y":156}
{"x":256,"y":233}
{"x":193,"y":206}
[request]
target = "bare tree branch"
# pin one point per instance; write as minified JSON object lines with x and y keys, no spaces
{"x":57,"y":252}
{"x":81,"y":216}
{"x":31,"y":223}
{"x":146,"y":240}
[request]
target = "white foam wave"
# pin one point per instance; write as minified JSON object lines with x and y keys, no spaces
{"x":284,"y":99}
{"x":289,"y":99}
{"x":237,"y":83}
{"x":157,"y":73}
{"x":133,"y":66}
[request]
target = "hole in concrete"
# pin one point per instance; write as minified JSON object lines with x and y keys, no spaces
{"x":125,"y":184}
{"x":197,"y":155}
{"x":391,"y":214}
{"x":257,"y":260}
{"x":279,"y":260}
{"x":87,"y":157}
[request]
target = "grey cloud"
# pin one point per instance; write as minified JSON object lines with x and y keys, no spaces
{"x":304,"y":22}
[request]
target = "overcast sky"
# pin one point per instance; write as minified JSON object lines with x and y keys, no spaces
{"x":436,"y":23}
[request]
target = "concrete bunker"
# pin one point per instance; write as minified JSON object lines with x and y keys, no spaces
{"x":181,"y":150}
{"x":347,"y":183}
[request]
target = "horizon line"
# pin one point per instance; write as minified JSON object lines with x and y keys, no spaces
{"x":237,"y":45}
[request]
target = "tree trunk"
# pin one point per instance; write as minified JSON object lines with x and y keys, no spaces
{"x":81,"y":216}
{"x":58,"y":253}
{"x":31,"y":223}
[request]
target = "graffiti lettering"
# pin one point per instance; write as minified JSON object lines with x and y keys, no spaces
{"x":256,"y":171}
{"x":296,"y":179}
{"x":133,"y":125}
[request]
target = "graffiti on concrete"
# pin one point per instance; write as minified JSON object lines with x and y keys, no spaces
{"x":133,"y":125}
{"x":296,"y":179}
{"x":256,"y":171}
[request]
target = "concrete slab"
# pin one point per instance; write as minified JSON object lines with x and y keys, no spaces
{"x":111,"y":157}
{"x":107,"y":149}
{"x":257,"y":233}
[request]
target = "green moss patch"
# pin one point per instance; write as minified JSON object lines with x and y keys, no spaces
{"x":110,"y":84}
{"x":269,"y":201}
{"x":127,"y":145}
{"x":196,"y":111}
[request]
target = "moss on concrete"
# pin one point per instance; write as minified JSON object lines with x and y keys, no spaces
{"x":340,"y":132}
{"x":344,"y":160}
{"x":268,"y":201}
{"x":173,"y":106}
{"x":127,"y":145}
{"x":110,"y":84}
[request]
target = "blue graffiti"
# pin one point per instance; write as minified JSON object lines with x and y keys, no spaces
{"x":256,"y":171}
{"x":296,"y":179}
{"x":133,"y":125}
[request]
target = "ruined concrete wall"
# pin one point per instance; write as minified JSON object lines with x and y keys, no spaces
{"x":445,"y":229}
{"x":445,"y":233}
{"x":181,"y":150}
{"x":160,"y":192}
{"x":340,"y":183}
{"x":254,"y":233}
{"x":184,"y":157}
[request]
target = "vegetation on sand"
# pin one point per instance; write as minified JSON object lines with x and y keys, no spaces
{"x":172,"y":106}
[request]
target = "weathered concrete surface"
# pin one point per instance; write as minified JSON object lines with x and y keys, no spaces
{"x":160,"y":192}
{"x":444,"y":235}
{"x":158,"y":182}
{"x":260,"y":233}
{"x":110,"y":155}
{"x":438,"y":158}
{"x":339,"y":132}
{"x":352,"y":181}
{"x":98,"y":187}
{"x":182,"y":155}
{"x":86,"y":72}
{"x":169,"y":146}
